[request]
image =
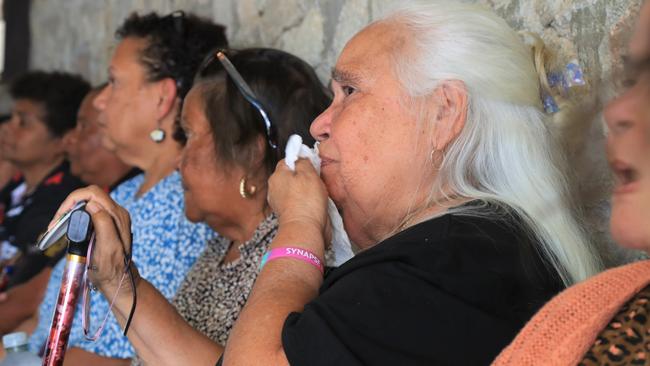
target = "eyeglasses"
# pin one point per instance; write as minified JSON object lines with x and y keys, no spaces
{"x":88,"y":287}
{"x":244,"y":89}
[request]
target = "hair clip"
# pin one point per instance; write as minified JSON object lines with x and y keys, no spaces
{"x":562,"y":81}
{"x":177,"y":17}
{"x":550,"y":105}
{"x":570,"y":77}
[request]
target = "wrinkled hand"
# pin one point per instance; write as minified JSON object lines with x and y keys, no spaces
{"x":112,"y":225}
{"x":299,"y":197}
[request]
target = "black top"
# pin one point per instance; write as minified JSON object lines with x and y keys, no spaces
{"x":453,"y":290}
{"x":26,"y":217}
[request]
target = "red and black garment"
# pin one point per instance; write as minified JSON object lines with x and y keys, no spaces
{"x":25,"y":216}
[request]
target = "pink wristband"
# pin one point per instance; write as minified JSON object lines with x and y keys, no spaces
{"x":291,"y":252}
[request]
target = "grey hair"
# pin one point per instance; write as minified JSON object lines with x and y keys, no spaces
{"x":506,"y":153}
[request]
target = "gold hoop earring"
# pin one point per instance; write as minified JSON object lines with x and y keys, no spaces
{"x":246,"y":192}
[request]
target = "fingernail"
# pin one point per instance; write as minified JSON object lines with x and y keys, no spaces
{"x":92,"y":208}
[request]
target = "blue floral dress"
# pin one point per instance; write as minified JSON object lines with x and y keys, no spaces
{"x":165,"y":246}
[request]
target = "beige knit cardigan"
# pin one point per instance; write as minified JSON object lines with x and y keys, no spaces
{"x":564,"y":330}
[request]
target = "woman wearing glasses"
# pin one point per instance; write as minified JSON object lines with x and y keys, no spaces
{"x":150,"y":72}
{"x":235,"y":122}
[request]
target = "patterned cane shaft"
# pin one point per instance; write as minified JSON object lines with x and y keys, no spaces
{"x":66,"y":304}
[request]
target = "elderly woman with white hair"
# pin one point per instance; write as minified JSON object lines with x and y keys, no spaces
{"x":436,"y":152}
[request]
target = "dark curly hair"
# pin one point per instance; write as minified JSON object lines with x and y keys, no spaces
{"x":288,"y":89}
{"x":60,"y":94}
{"x":176,"y":44}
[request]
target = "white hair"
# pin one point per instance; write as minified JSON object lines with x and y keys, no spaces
{"x":506,"y":153}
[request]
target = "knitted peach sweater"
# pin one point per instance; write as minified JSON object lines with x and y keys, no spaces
{"x":567,"y":326}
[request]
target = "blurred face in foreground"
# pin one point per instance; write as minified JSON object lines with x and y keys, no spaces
{"x":628,"y":148}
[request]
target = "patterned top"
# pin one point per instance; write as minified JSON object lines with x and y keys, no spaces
{"x":626,"y":339}
{"x":165,"y":246}
{"x":214,"y":292}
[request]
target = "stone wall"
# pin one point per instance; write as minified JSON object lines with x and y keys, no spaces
{"x":77,"y":35}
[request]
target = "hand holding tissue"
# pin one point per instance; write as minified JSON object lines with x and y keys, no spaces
{"x":341,"y":245}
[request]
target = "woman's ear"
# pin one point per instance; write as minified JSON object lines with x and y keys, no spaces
{"x":167,"y":98}
{"x":257,"y":158}
{"x":450,"y":105}
{"x":256,"y":170}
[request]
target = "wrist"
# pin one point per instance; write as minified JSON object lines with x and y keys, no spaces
{"x":297,"y":235}
{"x":310,"y":226}
{"x":296,"y":253}
{"x":121,"y":282}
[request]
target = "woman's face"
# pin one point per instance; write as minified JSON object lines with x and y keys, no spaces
{"x":371,"y":147}
{"x":211,"y":191}
{"x":89,"y":160}
{"x":26,"y":140}
{"x":628,"y":149}
{"x":129,"y":103}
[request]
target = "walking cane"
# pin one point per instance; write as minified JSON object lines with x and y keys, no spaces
{"x":80,"y":234}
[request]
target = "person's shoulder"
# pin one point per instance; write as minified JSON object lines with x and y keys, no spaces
{"x":457,"y":242}
{"x":69,"y":180}
{"x":196,"y":232}
{"x":505,"y":242}
{"x":134,"y":172}
{"x":615,"y":282}
{"x":166,"y":196}
{"x":170,"y":186}
{"x":464,"y":229}
{"x":129,"y":185}
{"x":598,"y":299}
{"x":15,"y":181}
{"x":60,"y":182}
{"x":126,"y":191}
{"x":499,"y":228}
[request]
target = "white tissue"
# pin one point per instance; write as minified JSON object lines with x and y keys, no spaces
{"x":340,"y":242}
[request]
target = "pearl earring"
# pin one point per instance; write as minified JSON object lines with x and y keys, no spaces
{"x":157,"y":135}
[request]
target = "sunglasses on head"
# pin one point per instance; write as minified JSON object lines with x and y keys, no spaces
{"x":244,"y":89}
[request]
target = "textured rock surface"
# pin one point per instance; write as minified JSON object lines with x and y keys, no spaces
{"x":77,"y":35}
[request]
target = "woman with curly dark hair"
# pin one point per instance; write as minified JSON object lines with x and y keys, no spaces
{"x":150,"y":72}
